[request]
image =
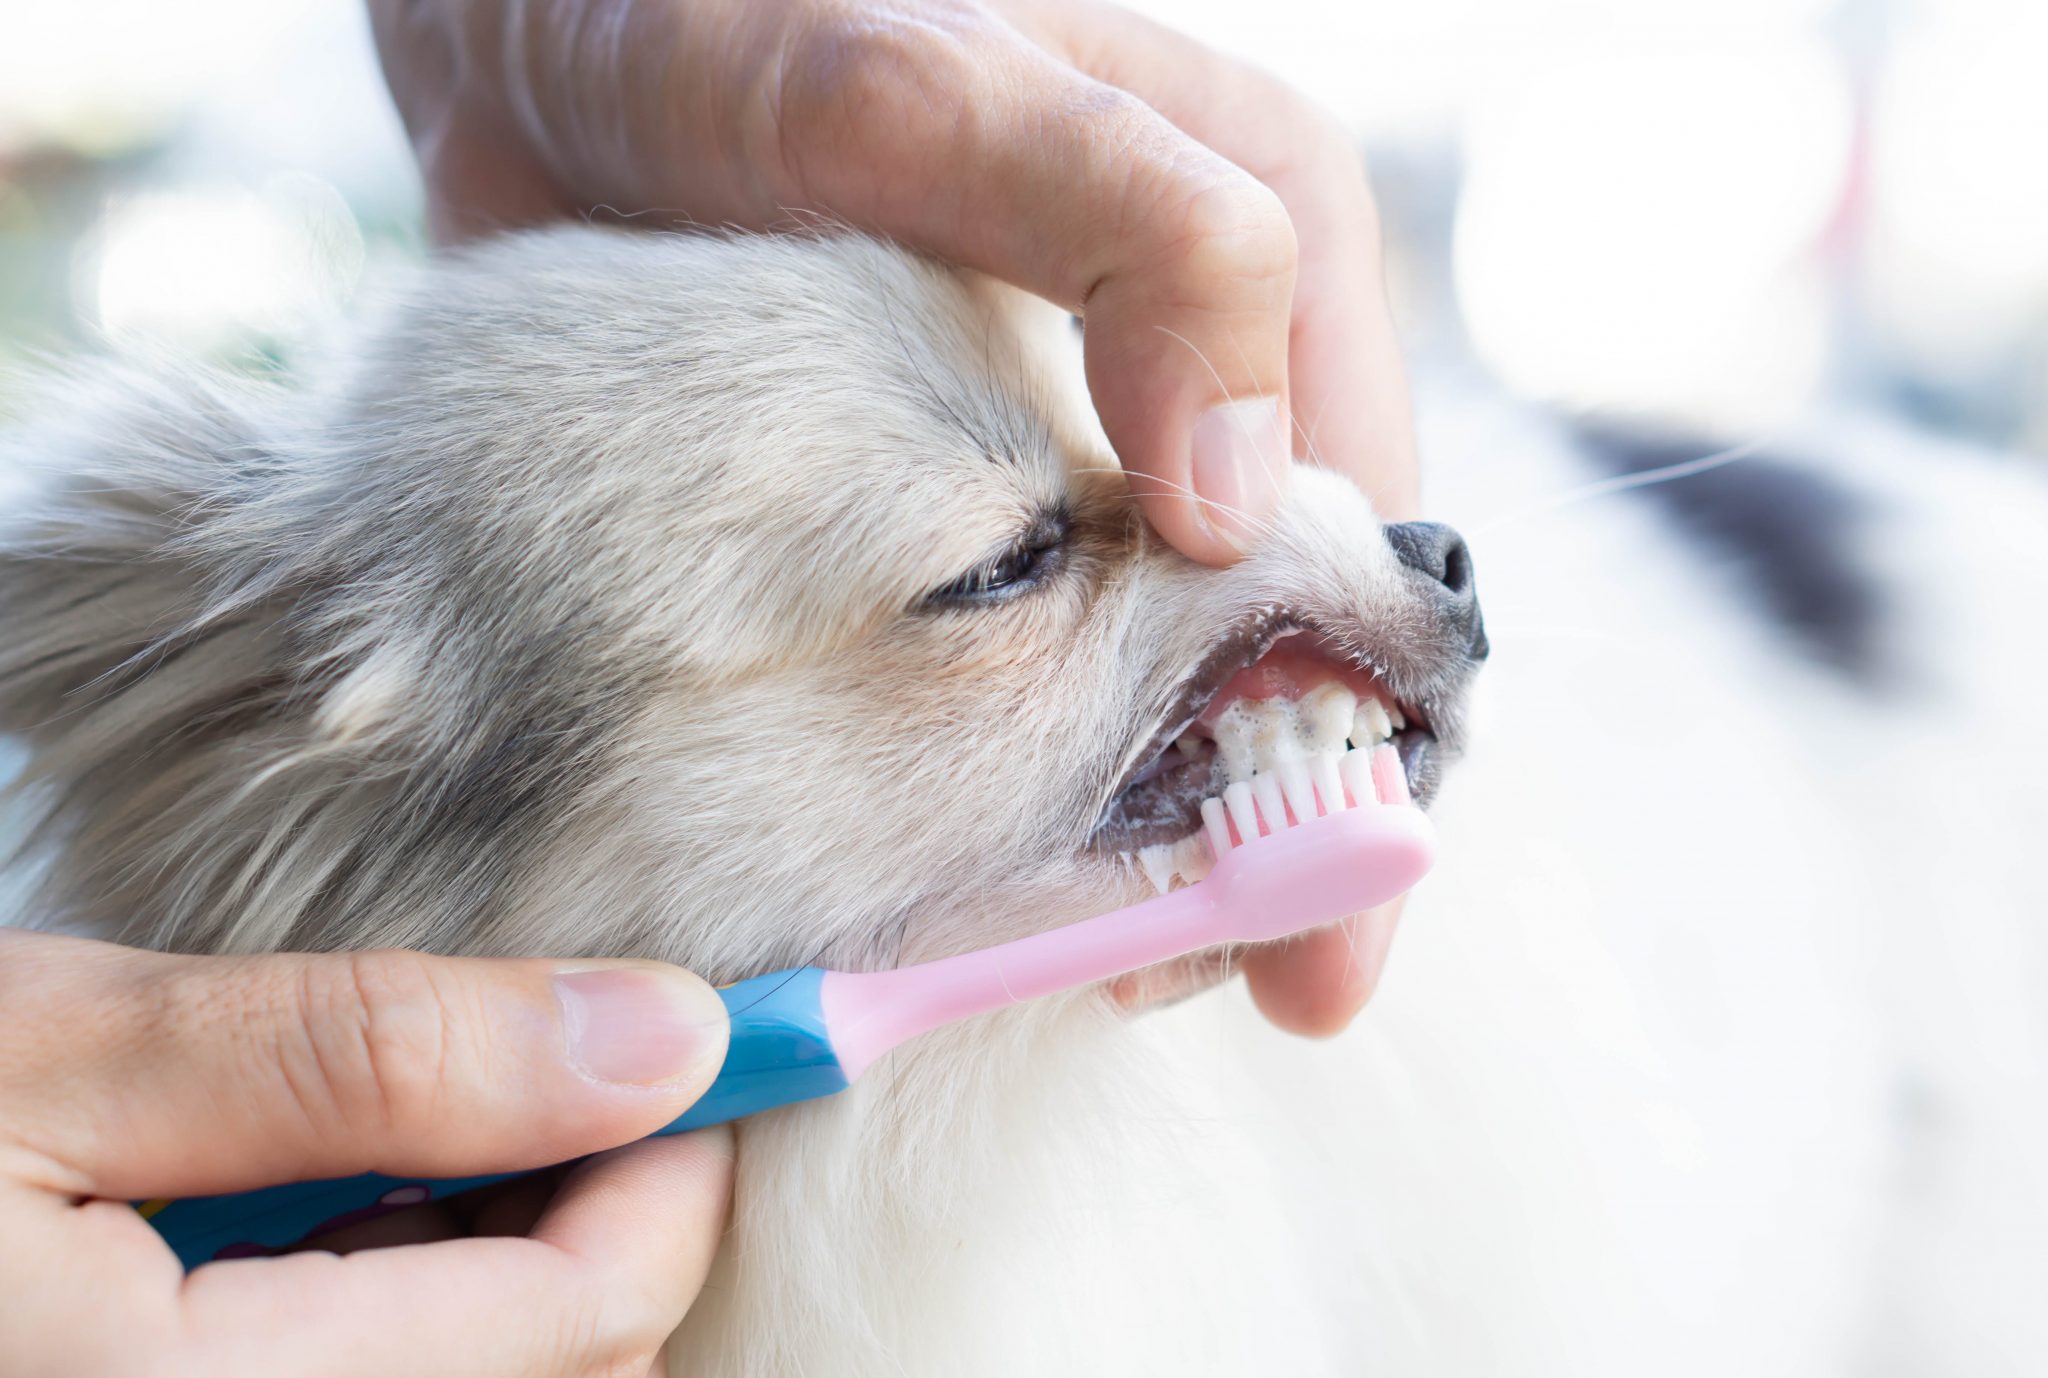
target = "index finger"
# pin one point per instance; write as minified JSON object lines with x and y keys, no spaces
{"x":1347,"y":384}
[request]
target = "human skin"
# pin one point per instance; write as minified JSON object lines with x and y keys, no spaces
{"x":1213,"y":228}
{"x":129,"y":1075}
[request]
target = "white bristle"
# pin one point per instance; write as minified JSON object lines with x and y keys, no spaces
{"x":1305,"y":789}
{"x":1238,"y":799}
{"x":1272,"y":803}
{"x":1218,"y":827}
{"x":1396,"y":777}
{"x":1356,"y":771}
{"x":1296,"y":785}
{"x":1329,"y":784}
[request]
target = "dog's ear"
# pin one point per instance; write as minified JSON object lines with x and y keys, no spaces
{"x":123,"y":643}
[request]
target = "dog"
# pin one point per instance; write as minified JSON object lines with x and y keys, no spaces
{"x":749,"y":601}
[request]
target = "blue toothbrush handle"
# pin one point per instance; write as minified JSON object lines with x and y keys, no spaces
{"x":779,"y":1053}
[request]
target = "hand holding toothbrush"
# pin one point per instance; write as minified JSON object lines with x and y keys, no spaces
{"x":1292,"y":850}
{"x":127,"y":1075}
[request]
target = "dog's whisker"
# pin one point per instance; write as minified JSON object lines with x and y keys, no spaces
{"x":1623,"y":483}
{"x":1308,"y":434}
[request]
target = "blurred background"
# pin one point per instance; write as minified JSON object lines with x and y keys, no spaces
{"x":1709,"y":214}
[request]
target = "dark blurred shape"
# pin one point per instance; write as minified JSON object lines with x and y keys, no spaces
{"x":1793,"y":534}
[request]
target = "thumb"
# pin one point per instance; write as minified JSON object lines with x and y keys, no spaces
{"x":126,"y":1073}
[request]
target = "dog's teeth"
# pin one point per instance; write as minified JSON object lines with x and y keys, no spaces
{"x":1355,"y":769}
{"x":1186,"y":860}
{"x":1157,"y":863}
{"x":1237,"y":798}
{"x":1248,"y":734}
{"x":1298,"y":789}
{"x":1217,"y":826}
{"x":1394,"y":715}
{"x":1272,"y":803}
{"x":1371,"y":726}
{"x":1324,"y":714}
{"x":1282,"y":758}
{"x":1254,"y":736}
{"x":1329,"y":784}
{"x":1234,"y":731}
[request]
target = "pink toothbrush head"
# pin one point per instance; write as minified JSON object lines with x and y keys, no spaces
{"x":1304,"y":846}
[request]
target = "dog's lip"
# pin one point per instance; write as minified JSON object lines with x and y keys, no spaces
{"x":1239,"y":649}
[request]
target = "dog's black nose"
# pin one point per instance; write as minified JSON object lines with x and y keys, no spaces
{"x":1438,"y":551}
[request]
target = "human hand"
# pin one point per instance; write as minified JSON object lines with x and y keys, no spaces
{"x":1211,"y":226}
{"x":127,"y":1074}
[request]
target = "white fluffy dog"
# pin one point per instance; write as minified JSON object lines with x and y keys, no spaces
{"x":747,"y":602}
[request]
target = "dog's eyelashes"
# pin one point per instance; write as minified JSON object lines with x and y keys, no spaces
{"x":1016,"y":571}
{"x":1026,"y":563}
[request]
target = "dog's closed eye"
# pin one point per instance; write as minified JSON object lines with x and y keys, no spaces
{"x":1032,"y":558}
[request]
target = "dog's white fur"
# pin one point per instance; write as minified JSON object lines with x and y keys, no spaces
{"x":582,"y":611}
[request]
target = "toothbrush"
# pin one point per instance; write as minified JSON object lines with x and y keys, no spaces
{"x":1327,"y":838}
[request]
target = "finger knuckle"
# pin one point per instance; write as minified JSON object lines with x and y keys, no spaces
{"x":1234,"y":229}
{"x":1132,"y":141}
{"x":376,"y":1029}
{"x":1297,"y":138}
{"x":1122,"y":120}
